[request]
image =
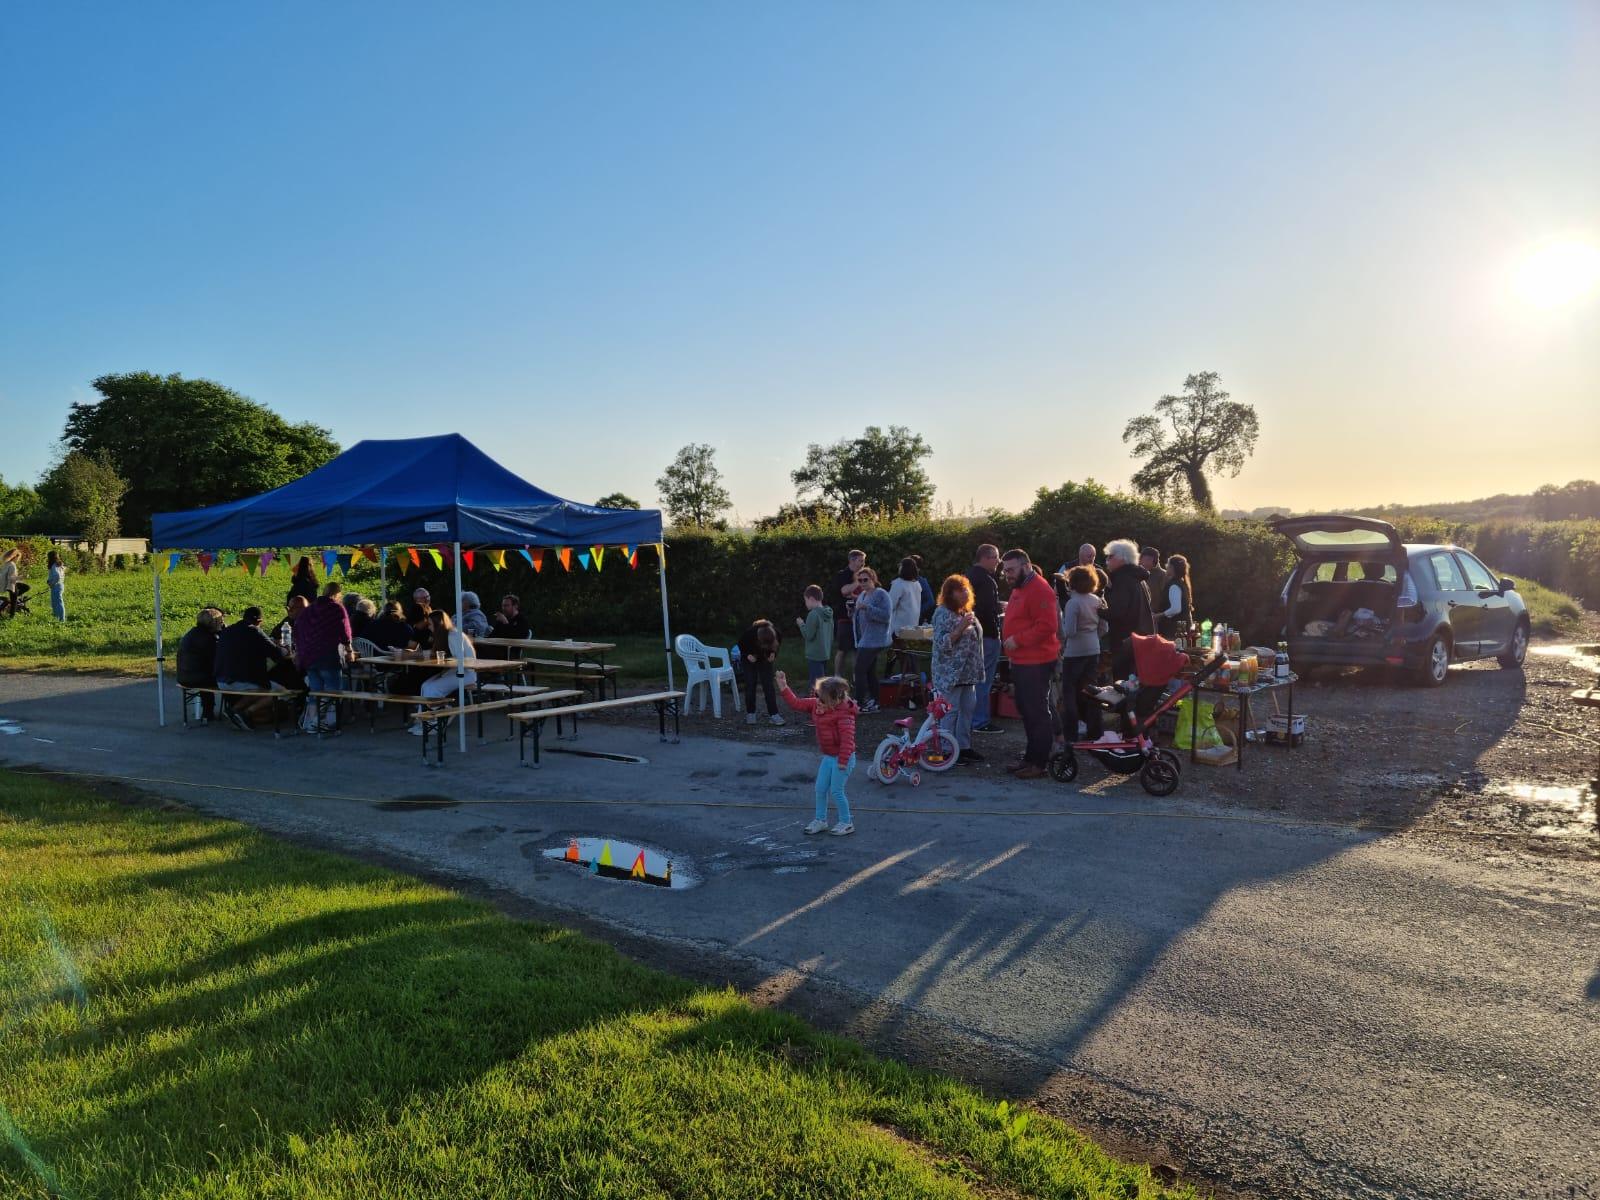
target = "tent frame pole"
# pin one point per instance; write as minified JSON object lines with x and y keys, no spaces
{"x":666,"y":621}
{"x":383,"y":576}
{"x":461,"y":670}
{"x":161,"y":690}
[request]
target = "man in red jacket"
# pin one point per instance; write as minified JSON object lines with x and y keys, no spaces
{"x":1031,"y":631}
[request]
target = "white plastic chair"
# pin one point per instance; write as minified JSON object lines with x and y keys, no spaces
{"x":709,"y":666}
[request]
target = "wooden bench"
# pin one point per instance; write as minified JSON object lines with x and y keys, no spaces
{"x":534,"y":721}
{"x":567,"y":669}
{"x":433,"y":723}
{"x":280,"y":697}
{"x":402,"y":703}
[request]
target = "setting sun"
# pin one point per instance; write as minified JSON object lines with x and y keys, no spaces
{"x":1559,"y":272}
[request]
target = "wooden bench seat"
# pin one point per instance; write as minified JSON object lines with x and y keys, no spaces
{"x":433,"y":723}
{"x":565,"y":669}
{"x":534,"y":721}
{"x":275,"y":694}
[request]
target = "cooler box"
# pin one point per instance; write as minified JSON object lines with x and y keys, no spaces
{"x":1002,"y":705}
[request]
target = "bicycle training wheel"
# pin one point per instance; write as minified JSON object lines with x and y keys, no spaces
{"x":884,"y":767}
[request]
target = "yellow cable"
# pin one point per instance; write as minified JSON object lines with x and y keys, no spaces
{"x":744,"y":804}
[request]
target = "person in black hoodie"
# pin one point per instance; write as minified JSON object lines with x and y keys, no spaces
{"x":197,"y":658}
{"x":1127,"y":604}
{"x":986,"y":607}
{"x":758,"y":654}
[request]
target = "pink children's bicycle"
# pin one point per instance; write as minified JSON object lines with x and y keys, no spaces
{"x":901,"y":755}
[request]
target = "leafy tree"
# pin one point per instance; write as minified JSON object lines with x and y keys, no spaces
{"x":82,"y":494}
{"x":1576,"y":500}
{"x":183,"y":443}
{"x":616,"y":500}
{"x":1187,"y":435}
{"x":20,"y":508}
{"x":875,"y":473}
{"x":691,"y":488}
{"x":813,"y":513}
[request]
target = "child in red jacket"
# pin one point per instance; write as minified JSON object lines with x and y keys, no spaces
{"x":835,"y":714}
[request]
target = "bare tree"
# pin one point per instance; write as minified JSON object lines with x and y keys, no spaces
{"x":1188,"y":435}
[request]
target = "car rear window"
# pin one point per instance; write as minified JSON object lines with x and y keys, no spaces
{"x":1445,"y":573}
{"x":1350,"y":572}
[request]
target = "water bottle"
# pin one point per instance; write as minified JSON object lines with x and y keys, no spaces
{"x":1205,"y":635}
{"x":1280,"y":662}
{"x":734,"y":656}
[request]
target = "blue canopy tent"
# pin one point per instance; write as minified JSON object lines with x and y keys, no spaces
{"x":409,"y":491}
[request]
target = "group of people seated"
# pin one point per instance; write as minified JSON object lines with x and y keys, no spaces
{"x":315,"y":642}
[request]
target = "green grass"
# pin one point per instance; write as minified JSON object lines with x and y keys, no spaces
{"x":191,"y":1009}
{"x":1551,"y":614}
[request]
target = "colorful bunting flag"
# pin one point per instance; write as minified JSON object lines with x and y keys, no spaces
{"x":438,"y":558}
{"x":370,"y":553}
{"x":627,"y":552}
{"x":346,"y":561}
{"x":584,"y":559}
{"x":599,"y":553}
{"x":416,"y":559}
{"x":443,"y":555}
{"x":357,"y":555}
{"x":266,"y":561}
{"x":172,"y":563}
{"x":633,"y":560}
{"x":403,"y":562}
{"x":205,"y":560}
{"x":565,"y":556}
{"x":249,"y":562}
{"x":330,"y":559}
{"x":537,"y":559}
{"x":498,"y":558}
{"x":467,"y":557}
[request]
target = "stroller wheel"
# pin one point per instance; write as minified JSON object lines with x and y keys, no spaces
{"x":916,"y":779}
{"x":1159,"y":776}
{"x":1064,"y":766}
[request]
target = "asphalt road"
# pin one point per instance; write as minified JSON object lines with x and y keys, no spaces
{"x":1280,"y":1010}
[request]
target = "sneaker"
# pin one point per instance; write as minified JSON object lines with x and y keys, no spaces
{"x":750,"y":718}
{"x":970,"y":756}
{"x":817,"y":827}
{"x":776,"y":719}
{"x":986,"y":727}
{"x":1109,"y":737}
{"x":842,"y":829}
{"x":237,"y":720}
{"x":414,"y":729}
{"x":871,"y":706}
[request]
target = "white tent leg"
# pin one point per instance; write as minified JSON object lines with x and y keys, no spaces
{"x":161,"y":691}
{"x":461,"y":671}
{"x":666,"y":621}
{"x":383,"y":576}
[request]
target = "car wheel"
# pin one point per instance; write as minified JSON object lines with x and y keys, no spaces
{"x":1435,"y":662}
{"x":1518,"y":650}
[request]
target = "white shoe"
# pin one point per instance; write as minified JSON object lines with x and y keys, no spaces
{"x":1111,"y":737}
{"x":817,"y":827}
{"x":776,"y":719}
{"x":750,"y":718}
{"x":414,"y":730}
{"x":841,"y":830}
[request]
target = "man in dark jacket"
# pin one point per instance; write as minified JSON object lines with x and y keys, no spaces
{"x":986,"y":607}
{"x":197,"y":658}
{"x":247,"y":660}
{"x":1127,"y":604}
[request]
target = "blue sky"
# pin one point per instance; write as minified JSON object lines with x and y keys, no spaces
{"x":586,"y":235}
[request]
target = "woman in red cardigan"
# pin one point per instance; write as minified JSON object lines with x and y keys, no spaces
{"x":1032,"y":641}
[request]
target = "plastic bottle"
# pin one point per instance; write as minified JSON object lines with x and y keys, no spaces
{"x":1280,"y":664}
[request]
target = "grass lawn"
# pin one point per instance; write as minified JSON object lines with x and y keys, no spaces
{"x":189,"y":1008}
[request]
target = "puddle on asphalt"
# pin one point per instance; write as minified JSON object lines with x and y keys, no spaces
{"x":415,"y":803}
{"x":10,"y":727}
{"x":608,"y":858}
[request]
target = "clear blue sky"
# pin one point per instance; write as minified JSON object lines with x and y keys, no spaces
{"x":586,"y":235}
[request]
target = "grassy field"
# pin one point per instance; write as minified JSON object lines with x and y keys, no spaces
{"x":191,"y":1009}
{"x":109,"y":624}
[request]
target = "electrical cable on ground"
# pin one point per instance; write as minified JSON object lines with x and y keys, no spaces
{"x":964,"y":811}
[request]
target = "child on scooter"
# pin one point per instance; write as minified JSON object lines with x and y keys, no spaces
{"x":835,"y":715}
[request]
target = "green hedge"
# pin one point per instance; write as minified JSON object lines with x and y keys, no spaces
{"x":721,"y":581}
{"x":1564,"y":555}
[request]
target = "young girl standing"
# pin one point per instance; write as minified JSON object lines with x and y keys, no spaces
{"x":835,"y":715}
{"x":56,"y":574}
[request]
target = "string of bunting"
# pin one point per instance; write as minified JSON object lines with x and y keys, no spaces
{"x":406,"y":558}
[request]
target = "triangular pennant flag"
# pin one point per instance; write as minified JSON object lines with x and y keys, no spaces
{"x":633,"y":560}
{"x":438,"y":558}
{"x":266,"y":560}
{"x":443,"y":553}
{"x":565,"y":555}
{"x":498,"y":558}
{"x":226,"y":559}
{"x":661,"y":554}
{"x":466,"y":558}
{"x":599,"y":553}
{"x":529,"y":557}
{"x":572,"y":850}
{"x":249,"y":562}
{"x":355,"y":556}
{"x":205,"y":560}
{"x":370,"y":553}
{"x":330,"y":559}
{"x":627,"y":552}
{"x":605,"y":854}
{"x":346,"y":561}
{"x":637,"y":871}
{"x":583,"y":558}
{"x":172,"y":563}
{"x":537,"y":560}
{"x":416,"y":559}
{"x":403,"y":563}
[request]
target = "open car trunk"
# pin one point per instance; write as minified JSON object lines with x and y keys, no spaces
{"x":1342,"y":596}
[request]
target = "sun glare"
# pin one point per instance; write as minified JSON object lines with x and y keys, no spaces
{"x":1559,"y":272}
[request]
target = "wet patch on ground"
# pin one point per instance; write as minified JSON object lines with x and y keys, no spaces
{"x":617,"y":860}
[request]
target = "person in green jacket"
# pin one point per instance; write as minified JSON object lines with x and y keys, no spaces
{"x":816,"y":629}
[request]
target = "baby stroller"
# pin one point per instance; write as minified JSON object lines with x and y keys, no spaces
{"x":1156,"y":663}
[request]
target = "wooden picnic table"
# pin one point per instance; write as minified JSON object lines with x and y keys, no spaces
{"x":578,"y":650}
{"x":481,"y":665}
